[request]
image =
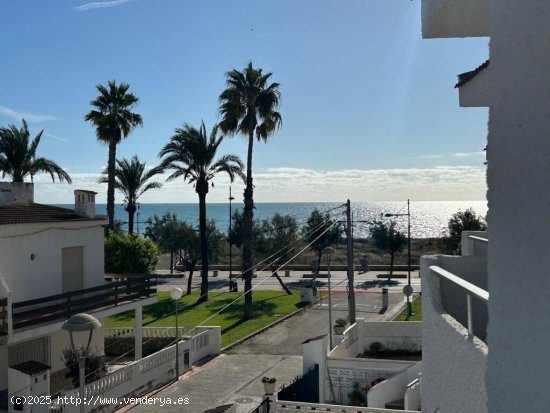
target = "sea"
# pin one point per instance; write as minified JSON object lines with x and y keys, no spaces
{"x":428,"y":218}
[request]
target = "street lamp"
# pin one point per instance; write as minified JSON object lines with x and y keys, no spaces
{"x":408,"y":288}
{"x":328,"y":251}
{"x":175,"y":294}
{"x":76,"y":323}
{"x":230,"y":249}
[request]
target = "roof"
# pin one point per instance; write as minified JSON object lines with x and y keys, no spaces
{"x":309,"y":340}
{"x":39,"y":213}
{"x":31,"y":367}
{"x":465,"y":77}
{"x":85,"y":191}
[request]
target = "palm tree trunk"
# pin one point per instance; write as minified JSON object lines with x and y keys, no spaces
{"x":391,"y":264}
{"x":131,"y":208}
{"x":204,"y":247}
{"x":191,"y":270}
{"x":111,"y":185}
{"x":248,"y":216}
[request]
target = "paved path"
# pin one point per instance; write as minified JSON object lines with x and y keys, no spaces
{"x":235,"y":377}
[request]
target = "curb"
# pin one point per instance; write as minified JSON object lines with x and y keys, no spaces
{"x":261,"y":330}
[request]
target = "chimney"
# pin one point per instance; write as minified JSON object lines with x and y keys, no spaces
{"x":84,"y":202}
{"x":16,"y":193}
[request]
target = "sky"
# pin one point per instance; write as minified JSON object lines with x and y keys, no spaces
{"x":369,"y":109}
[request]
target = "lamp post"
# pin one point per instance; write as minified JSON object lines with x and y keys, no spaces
{"x":175,"y":294}
{"x":230,"y":249}
{"x":81,"y":322}
{"x":329,"y":251}
{"x":408,"y":288}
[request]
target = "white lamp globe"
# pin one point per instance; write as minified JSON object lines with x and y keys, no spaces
{"x":176,"y":293}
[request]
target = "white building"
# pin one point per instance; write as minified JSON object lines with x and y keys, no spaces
{"x":51,"y":267}
{"x":503,"y":368}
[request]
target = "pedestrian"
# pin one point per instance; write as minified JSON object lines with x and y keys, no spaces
{"x":364,"y":263}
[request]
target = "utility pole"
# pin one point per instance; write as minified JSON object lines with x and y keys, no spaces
{"x":409,"y":304}
{"x":351,"y":269}
{"x":231,"y":288}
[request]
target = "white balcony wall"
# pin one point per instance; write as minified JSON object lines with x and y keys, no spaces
{"x":472,"y":243}
{"x":519,"y":205}
{"x":475,"y":93}
{"x":455,"y":18}
{"x":31,"y":257}
{"x":453,"y":365}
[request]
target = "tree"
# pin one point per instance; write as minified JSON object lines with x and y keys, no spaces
{"x":167,"y":233}
{"x":249,"y":106}
{"x":191,"y":154}
{"x":130,"y":254}
{"x":387,"y":238}
{"x":319,"y":233}
{"x":191,"y":246}
{"x":283,"y":233}
{"x":132,"y":179}
{"x":462,"y":221}
{"x":114,"y":120}
{"x":18,"y":158}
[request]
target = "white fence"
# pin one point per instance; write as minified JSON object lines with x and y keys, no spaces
{"x":148,"y":332}
{"x":291,"y":407}
{"x":146,"y":374}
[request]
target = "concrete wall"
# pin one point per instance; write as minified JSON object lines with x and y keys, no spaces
{"x":39,"y":277}
{"x":471,"y":246}
{"x":394,"y":335}
{"x":453,"y":377}
{"x":393,"y":388}
{"x":519,"y":205}
{"x":452,"y":18}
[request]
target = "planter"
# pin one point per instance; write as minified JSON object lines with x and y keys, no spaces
{"x":339,"y":330}
{"x":287,"y":273}
{"x":215,"y":273}
{"x":307,"y":294}
{"x":269,"y":388}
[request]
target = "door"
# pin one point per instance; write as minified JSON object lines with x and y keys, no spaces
{"x":72,"y":269}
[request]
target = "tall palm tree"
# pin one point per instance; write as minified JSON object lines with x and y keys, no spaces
{"x":132,"y":180}
{"x":18,"y":158}
{"x":249,"y":106}
{"x":191,"y":153}
{"x":113,"y":119}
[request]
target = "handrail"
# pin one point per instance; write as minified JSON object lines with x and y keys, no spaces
{"x":127,"y":283}
{"x":412,"y":383}
{"x":476,"y":238}
{"x":59,"y":306}
{"x":468,"y":286}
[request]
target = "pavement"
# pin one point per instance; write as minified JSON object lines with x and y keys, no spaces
{"x":235,"y":376}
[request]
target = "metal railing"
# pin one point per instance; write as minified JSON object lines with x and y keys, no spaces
{"x":263,"y":407}
{"x":470,"y":289}
{"x":61,"y":306}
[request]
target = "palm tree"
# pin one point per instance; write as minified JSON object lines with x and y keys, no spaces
{"x":191,"y":154}
{"x":249,"y":106}
{"x":113,"y":119}
{"x":18,"y":158}
{"x":132,"y":180}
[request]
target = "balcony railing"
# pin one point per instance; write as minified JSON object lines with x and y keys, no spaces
{"x":470,"y":290}
{"x":61,"y":306}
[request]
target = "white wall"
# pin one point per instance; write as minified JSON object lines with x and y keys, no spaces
{"x":453,"y":377}
{"x":41,"y":277}
{"x":519,"y":205}
{"x":393,"y":388}
{"x":394,"y":335}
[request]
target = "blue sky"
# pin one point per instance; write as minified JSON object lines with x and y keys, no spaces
{"x":369,"y":108}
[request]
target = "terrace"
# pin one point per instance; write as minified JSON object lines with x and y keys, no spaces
{"x":55,"y":308}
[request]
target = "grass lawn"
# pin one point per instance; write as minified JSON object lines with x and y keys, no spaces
{"x":268,"y":307}
{"x":416,"y":309}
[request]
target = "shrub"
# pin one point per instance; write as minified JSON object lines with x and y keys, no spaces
{"x":341,"y":322}
{"x":94,"y":367}
{"x":130,"y":254}
{"x":376,"y":347}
